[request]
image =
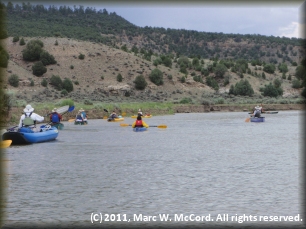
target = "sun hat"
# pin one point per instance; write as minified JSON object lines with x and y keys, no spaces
{"x":28,"y":108}
{"x":54,"y":110}
{"x":81,"y":110}
{"x":257,"y":107}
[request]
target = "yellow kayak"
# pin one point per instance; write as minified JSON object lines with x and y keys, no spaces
{"x":5,"y":143}
{"x":144,"y":116}
{"x":115,"y":120}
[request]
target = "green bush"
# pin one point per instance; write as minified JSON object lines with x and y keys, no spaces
{"x":15,"y":39}
{"x":13,"y":80}
{"x":39,"y":69}
{"x":32,"y":83}
{"x":81,"y":56}
{"x":156,"y":77}
{"x":76,"y":82}
{"x":46,"y":58}
{"x":57,"y":82}
{"x":4,"y":57}
{"x":71,"y":67}
{"x":210,"y":81}
{"x":67,"y":85}
{"x":65,"y":102}
{"x":21,"y":42}
{"x":271,"y":90}
{"x":119,"y":77}
{"x":44,"y":83}
{"x":243,"y":87}
{"x":87,"y":102}
{"x":198,"y":79}
{"x":64,"y":92}
{"x":269,"y":68}
{"x":183,"y":79}
{"x":140,"y":82}
{"x":32,"y":50}
{"x":186,"y":100}
{"x":296,"y":83}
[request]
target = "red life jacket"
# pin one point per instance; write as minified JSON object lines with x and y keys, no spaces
{"x":138,"y":123}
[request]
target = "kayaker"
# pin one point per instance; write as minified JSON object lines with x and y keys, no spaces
{"x":257,"y":111}
{"x":113,"y":116}
{"x":140,"y":112}
{"x":55,"y":117}
{"x":83,"y":113}
{"x":28,"y":119}
{"x":139,"y":122}
{"x":79,"y":117}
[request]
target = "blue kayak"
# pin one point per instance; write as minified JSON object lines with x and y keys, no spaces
{"x":139,"y":129}
{"x":27,"y":136}
{"x":260,"y":119}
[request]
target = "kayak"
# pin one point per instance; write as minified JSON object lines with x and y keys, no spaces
{"x":260,"y":119}
{"x":5,"y":144}
{"x":27,"y":136}
{"x":267,"y":112}
{"x":115,"y":119}
{"x":139,"y":129}
{"x":80,"y":122}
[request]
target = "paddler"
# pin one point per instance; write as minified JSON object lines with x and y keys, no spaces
{"x":139,"y":122}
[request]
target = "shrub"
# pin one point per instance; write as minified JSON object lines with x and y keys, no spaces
{"x":140,"y":82}
{"x":32,"y":50}
{"x":243,"y":87}
{"x":15,"y":39}
{"x":277,"y":83}
{"x":156,"y":77}
{"x":210,"y":81}
{"x":64,"y":92}
{"x":271,"y":90}
{"x":198,"y":79}
{"x":32,"y":83}
{"x":44,"y":83}
{"x":119,"y":77}
{"x":21,"y":42}
{"x":169,"y":77}
{"x":4,"y":57}
{"x":67,"y":84}
{"x":81,"y":56}
{"x":71,"y":67}
{"x":65,"y":102}
{"x":87,"y":102}
{"x":296,"y":83}
{"x":46,"y":58}
{"x":186,"y":100}
{"x":13,"y":80}
{"x":269,"y":68}
{"x":57,"y":82}
{"x":39,"y":69}
{"x":76,"y":82}
{"x":183,"y":79}
{"x":56,"y":42}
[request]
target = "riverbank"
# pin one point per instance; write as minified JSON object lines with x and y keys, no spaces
{"x":100,"y":113}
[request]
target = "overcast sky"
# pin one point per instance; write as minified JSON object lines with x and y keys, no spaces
{"x":282,"y":18}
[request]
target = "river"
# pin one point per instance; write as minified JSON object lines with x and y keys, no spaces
{"x":204,"y":169}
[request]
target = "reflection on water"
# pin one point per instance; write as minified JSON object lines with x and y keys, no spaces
{"x":210,"y":163}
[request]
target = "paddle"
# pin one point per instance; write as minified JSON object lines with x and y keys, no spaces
{"x":159,"y":126}
{"x":123,"y":114}
{"x":61,"y":110}
{"x":247,"y":119}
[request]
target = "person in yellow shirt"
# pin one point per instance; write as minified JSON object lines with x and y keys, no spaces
{"x":139,"y":122}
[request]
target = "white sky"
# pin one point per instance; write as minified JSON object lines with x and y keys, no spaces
{"x":281,"y":18}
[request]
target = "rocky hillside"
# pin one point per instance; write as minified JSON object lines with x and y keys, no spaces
{"x":95,"y":76}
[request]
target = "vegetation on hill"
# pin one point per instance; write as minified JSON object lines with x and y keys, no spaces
{"x":209,"y":58}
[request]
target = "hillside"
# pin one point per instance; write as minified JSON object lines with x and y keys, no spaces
{"x":97,"y":75}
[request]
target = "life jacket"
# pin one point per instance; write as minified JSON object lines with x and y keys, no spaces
{"x":138,"y":123}
{"x":55,"y":118}
{"x":27,"y":120}
{"x":79,"y":116}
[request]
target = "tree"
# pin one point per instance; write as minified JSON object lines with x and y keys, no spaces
{"x":283,"y":68}
{"x":32,"y":50}
{"x":269,"y":68}
{"x":39,"y":69}
{"x":210,"y":81}
{"x":271,"y":90}
{"x":220,"y":70}
{"x":57,"y":82}
{"x":243,"y":87}
{"x":140,"y":82}
{"x":119,"y":77}
{"x":15,"y":39}
{"x":44,"y":83}
{"x":46,"y":58}
{"x":67,"y":85}
{"x":4,"y":57}
{"x":156,"y":77}
{"x":21,"y":42}
{"x":13,"y":80}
